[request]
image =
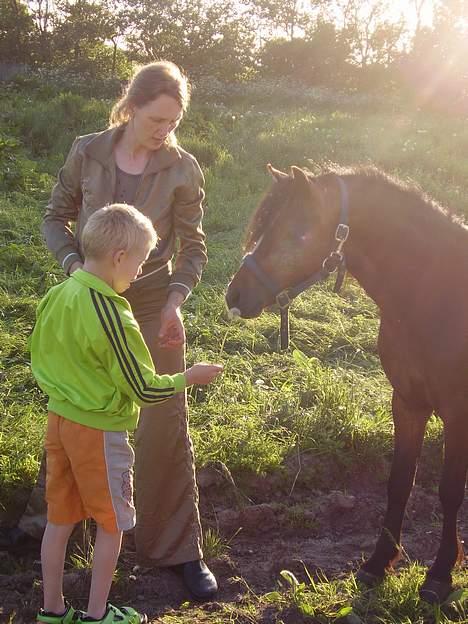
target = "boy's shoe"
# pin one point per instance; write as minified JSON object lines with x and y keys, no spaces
{"x":114,"y":615}
{"x":46,"y":617}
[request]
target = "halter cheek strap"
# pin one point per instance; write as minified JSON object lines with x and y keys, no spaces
{"x":335,"y":261}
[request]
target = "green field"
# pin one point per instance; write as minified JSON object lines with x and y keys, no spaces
{"x":326,"y":396}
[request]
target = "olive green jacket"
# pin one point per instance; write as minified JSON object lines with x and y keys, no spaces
{"x":170,"y":193}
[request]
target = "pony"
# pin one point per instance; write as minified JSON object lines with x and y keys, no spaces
{"x":411,"y":258}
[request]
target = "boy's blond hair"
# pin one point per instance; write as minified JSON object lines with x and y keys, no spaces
{"x":116,"y":227}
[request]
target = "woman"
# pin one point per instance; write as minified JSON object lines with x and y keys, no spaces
{"x":137,"y":161}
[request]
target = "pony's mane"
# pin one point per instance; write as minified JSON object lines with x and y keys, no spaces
{"x":417,"y":201}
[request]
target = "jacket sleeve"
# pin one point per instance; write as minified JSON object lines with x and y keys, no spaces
{"x":62,"y":210}
{"x":128,"y":359}
{"x":188,"y":215}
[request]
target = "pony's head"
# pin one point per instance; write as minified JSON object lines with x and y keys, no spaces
{"x":288,"y":237}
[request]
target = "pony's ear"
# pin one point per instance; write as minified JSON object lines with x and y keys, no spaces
{"x":306,"y":185}
{"x":276,"y":174}
{"x":300,"y":177}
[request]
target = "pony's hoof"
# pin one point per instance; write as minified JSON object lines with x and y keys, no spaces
{"x":368,"y":579}
{"x":435,"y":592}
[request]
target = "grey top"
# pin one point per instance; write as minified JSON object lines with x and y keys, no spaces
{"x":143,"y":292}
{"x":126,"y":186}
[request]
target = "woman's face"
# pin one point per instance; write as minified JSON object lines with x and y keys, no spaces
{"x":154,"y":122}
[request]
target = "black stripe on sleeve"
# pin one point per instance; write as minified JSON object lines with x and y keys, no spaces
{"x":112,"y":335}
{"x":118,"y":321}
{"x":128,"y":356}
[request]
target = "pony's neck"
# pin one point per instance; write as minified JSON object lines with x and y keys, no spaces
{"x":391,"y":243}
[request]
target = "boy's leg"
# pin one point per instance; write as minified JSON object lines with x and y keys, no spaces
{"x":106,"y":553}
{"x":53,"y":549}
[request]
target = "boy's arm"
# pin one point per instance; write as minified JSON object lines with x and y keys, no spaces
{"x":128,"y":359}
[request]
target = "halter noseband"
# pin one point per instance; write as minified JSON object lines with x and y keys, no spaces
{"x":335,"y":261}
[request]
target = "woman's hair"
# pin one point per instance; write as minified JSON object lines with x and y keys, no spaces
{"x":148,"y":83}
{"x":116,"y":227}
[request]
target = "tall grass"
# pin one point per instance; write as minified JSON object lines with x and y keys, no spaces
{"x":327,"y":395}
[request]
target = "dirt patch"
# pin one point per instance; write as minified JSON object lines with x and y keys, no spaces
{"x":329,"y":532}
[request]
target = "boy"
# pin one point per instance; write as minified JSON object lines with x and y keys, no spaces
{"x":89,"y":357}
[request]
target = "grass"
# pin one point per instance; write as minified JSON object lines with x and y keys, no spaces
{"x":327,"y":395}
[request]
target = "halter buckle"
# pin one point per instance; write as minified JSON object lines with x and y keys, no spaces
{"x":342,"y":232}
{"x":283,"y":300}
{"x":332,"y":262}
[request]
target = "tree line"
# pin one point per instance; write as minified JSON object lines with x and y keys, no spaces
{"x":347,"y":43}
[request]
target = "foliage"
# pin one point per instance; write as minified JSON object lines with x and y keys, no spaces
{"x":16,"y":27}
{"x":18,"y":173}
{"x":211,"y":35}
{"x":346,"y":43}
{"x":395,"y":601}
{"x":329,"y":399}
{"x":320,"y":58}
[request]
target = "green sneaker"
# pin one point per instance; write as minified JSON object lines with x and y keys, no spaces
{"x":114,"y":615}
{"x":46,"y":617}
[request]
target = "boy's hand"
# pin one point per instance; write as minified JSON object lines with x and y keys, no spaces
{"x":202,"y":373}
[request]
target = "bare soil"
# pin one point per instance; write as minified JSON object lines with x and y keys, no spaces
{"x":268,"y":524}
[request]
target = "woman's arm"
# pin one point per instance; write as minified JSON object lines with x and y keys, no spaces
{"x":62,"y":210}
{"x":188,"y":215}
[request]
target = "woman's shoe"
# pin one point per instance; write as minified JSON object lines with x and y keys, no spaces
{"x":199,"y":579}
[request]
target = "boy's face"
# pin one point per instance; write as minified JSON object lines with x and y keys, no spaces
{"x":128,"y":266}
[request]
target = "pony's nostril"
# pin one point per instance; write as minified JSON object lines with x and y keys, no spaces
{"x":234,"y":313}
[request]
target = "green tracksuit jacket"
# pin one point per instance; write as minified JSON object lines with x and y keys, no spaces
{"x":89,"y":357}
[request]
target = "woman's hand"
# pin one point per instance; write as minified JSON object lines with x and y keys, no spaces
{"x":172,"y":332}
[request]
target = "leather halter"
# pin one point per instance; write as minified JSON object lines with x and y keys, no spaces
{"x":334,"y":262}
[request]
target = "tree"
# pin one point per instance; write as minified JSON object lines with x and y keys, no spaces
{"x":372,"y":36}
{"x":437,"y":65}
{"x":198,"y":35}
{"x":320,"y":58}
{"x":16,"y":32}
{"x":81,"y":30}
{"x":288,"y":18}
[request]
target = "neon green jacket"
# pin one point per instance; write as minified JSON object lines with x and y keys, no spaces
{"x":88,"y":355}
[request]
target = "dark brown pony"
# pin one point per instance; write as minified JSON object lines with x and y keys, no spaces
{"x":412,"y":259}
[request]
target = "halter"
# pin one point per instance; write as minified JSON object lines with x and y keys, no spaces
{"x":335,"y":261}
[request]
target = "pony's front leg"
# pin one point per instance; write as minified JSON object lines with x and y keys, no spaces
{"x":410,"y":423}
{"x":438,"y":583}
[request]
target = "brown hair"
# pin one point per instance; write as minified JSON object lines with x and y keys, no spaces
{"x":148,"y":83}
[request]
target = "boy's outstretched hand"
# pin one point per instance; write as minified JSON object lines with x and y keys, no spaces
{"x":202,"y":373}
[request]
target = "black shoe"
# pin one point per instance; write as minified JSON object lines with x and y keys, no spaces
{"x":199,"y":579}
{"x":15,"y":540}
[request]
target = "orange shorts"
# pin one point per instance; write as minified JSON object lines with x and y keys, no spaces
{"x":89,"y":475}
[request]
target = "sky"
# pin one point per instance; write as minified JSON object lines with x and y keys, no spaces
{"x":406,"y":9}
{"x":395,"y":10}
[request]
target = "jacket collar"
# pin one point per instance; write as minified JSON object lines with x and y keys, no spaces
{"x":101,"y":148}
{"x":92,"y":281}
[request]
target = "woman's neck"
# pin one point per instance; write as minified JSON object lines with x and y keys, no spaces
{"x":130,"y":155}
